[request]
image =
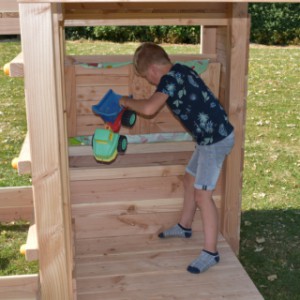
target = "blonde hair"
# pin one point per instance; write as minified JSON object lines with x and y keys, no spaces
{"x":148,"y":54}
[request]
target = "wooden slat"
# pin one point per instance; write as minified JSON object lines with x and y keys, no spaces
{"x":47,"y":133}
{"x":19,"y":287}
{"x":70,"y":92}
{"x":16,"y":66}
{"x":94,"y":226}
{"x":92,"y":174}
{"x":32,"y":248}
{"x":16,"y":203}
{"x":8,"y":5}
{"x":156,"y":269}
{"x":139,"y":148}
{"x":236,"y":104}
{"x":24,"y":160}
{"x":150,"y":20}
{"x":9,"y":26}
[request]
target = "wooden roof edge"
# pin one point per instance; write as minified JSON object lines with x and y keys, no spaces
{"x":157,"y":1}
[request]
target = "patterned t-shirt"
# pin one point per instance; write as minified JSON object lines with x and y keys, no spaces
{"x":194,"y":104}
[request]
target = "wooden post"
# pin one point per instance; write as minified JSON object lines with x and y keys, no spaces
{"x":208,"y":40}
{"x":48,"y":138}
{"x":235,"y":103}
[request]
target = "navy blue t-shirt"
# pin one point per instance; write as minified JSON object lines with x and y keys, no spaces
{"x":194,"y":104}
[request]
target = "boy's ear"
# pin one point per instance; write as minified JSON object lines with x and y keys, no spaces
{"x":153,"y":69}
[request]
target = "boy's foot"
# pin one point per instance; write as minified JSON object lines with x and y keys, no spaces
{"x":176,"y":231}
{"x":203,"y":262}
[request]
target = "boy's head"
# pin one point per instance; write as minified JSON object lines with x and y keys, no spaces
{"x":149,"y":54}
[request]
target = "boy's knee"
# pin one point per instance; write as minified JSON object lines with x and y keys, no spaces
{"x":202,"y":197}
{"x":188,"y":181}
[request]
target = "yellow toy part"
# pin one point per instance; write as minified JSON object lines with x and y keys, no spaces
{"x":14,"y":163}
{"x":23,"y":249}
{"x":6,"y":69}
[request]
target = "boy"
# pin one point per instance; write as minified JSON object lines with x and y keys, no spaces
{"x":199,"y":111}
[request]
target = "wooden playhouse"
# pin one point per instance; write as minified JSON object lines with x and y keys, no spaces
{"x":96,"y":224}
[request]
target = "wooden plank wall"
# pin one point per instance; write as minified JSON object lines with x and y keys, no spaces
{"x":9,"y":17}
{"x":19,"y":287}
{"x":86,"y":86}
{"x":16,"y":203}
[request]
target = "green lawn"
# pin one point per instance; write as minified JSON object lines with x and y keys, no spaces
{"x":270,"y":238}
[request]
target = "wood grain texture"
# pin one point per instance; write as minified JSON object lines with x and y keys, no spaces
{"x":46,"y":131}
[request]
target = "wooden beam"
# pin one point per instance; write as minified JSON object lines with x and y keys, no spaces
{"x":32,"y":247}
{"x":18,"y":287}
{"x":237,"y":68}
{"x":16,"y":203}
{"x":49,"y":178}
{"x":139,"y":148}
{"x":128,"y":172}
{"x":16,"y":67}
{"x":159,"y":1}
{"x":24,"y":160}
{"x":148,"y":19}
{"x":9,"y":26}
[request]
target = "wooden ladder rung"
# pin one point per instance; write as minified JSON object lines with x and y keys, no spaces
{"x":24,"y":161}
{"x":32,"y":248}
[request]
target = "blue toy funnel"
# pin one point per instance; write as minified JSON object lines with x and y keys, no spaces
{"x":108,"y":107}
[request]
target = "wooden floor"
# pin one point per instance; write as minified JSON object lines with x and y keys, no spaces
{"x":118,"y":210}
{"x":146,"y":267}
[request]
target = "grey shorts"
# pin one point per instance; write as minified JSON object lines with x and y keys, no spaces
{"x":206,"y":163}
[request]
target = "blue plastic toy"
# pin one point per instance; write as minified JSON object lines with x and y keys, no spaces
{"x":112,"y":113}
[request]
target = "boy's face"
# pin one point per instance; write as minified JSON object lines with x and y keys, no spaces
{"x":151,"y":76}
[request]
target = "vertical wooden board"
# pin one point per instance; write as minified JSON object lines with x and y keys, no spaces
{"x":238,"y":45}
{"x":59,"y":43}
{"x":48,"y":152}
{"x":208,"y":40}
{"x":212,"y":78}
{"x":70,"y":91}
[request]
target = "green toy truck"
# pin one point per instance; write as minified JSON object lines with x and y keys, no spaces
{"x":107,"y":144}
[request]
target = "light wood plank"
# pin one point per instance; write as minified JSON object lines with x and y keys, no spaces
{"x":92,"y":174}
{"x":130,"y":274}
{"x":19,"y":287}
{"x":236,"y":103}
{"x":24,"y":160}
{"x":32,"y":248}
{"x":140,"y":148}
{"x":92,"y":226}
{"x":9,"y":26}
{"x":46,"y":134}
{"x":16,"y":66}
{"x":16,"y":203}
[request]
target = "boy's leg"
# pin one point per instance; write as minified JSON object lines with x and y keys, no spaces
{"x":189,"y":204}
{"x":209,"y":255}
{"x":183,"y":228}
{"x":209,"y":217}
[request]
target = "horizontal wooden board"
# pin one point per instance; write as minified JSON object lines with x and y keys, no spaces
{"x":88,"y":248}
{"x":100,"y":80}
{"x":16,"y":203}
{"x":9,"y":26}
{"x":145,"y":267}
{"x":19,"y":287}
{"x":94,"y":226}
{"x":102,"y":191}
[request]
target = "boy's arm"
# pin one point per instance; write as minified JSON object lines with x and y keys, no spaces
{"x":146,"y":107}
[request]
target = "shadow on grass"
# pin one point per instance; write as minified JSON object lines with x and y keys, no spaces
{"x":270,"y":251}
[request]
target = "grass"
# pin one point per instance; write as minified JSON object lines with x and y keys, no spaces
{"x":270,"y":238}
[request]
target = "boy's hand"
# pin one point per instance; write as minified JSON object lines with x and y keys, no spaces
{"x":122,"y":101}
